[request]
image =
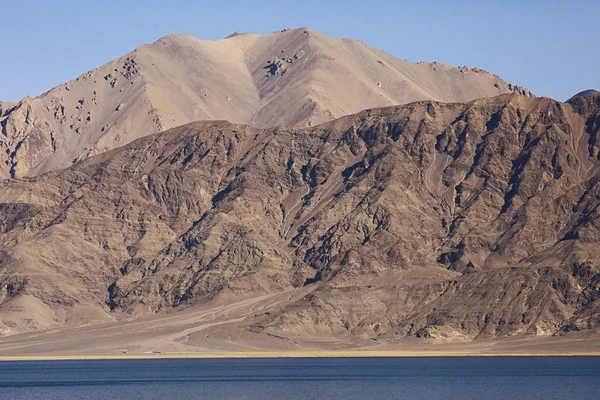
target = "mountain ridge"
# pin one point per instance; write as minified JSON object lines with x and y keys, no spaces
{"x":446,"y":221}
{"x":292,"y":77}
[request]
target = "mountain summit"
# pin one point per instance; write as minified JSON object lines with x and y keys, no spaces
{"x":292,"y":77}
{"x":585,"y":93}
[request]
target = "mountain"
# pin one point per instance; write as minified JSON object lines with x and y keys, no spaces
{"x":585,"y":93}
{"x":453,"y":221}
{"x":293,"y":77}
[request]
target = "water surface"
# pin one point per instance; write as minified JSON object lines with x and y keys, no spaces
{"x":481,"y":378}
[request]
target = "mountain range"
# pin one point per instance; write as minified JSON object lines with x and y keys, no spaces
{"x":470,"y":213}
{"x":443,"y":220}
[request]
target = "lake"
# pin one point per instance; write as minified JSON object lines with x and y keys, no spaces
{"x":481,"y":378}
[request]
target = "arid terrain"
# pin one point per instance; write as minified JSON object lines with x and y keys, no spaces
{"x":292,"y":77}
{"x":431,"y":222}
{"x":218,"y":331}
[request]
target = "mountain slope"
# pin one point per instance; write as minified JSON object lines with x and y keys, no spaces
{"x":293,"y":77}
{"x":451,"y":221}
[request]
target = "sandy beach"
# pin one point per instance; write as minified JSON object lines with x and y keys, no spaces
{"x":298,"y":354}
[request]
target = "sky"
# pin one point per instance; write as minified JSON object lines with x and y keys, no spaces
{"x":547,"y":46}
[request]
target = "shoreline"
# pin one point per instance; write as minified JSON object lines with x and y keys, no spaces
{"x":293,"y":354}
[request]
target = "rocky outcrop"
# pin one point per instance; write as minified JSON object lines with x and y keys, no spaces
{"x":448,"y":221}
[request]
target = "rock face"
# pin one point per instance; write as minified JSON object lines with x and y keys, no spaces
{"x":294,"y":77}
{"x":451,"y":221}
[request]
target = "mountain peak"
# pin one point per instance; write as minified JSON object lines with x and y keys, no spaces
{"x":176,"y":38}
{"x":585,"y":93}
{"x":291,"y":77}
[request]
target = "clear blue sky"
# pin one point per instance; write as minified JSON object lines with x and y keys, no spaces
{"x":548,"y":46}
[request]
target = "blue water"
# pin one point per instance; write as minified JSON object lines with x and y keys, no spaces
{"x":481,"y":378}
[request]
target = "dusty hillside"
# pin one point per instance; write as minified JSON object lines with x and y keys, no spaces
{"x":425,"y":220}
{"x":294,"y":77}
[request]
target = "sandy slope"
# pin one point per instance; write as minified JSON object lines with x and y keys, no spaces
{"x":292,"y":77}
{"x":217,"y":330}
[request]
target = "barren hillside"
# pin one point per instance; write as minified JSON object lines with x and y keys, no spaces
{"x":293,"y":77}
{"x":454,"y":221}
